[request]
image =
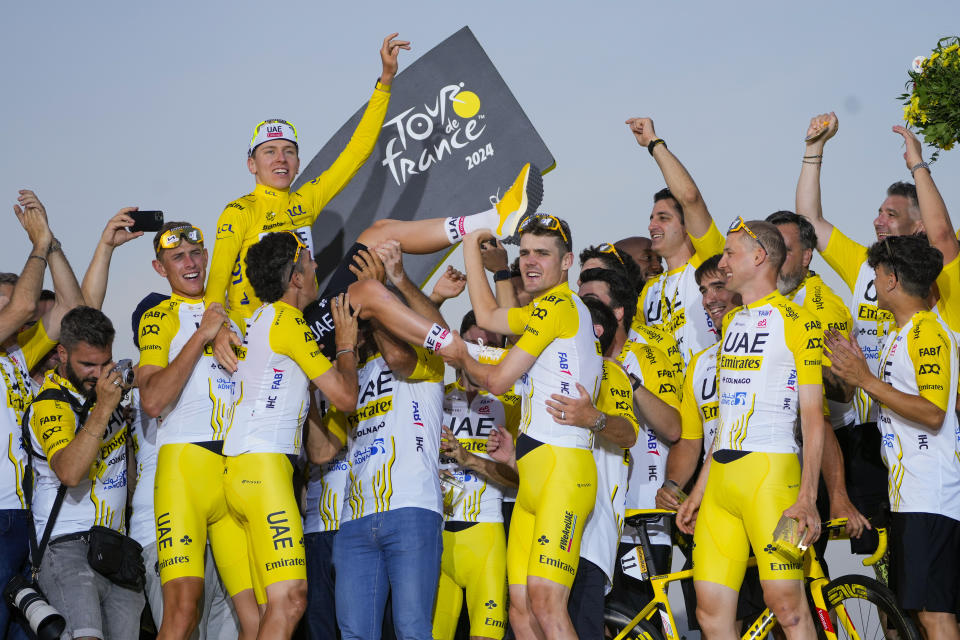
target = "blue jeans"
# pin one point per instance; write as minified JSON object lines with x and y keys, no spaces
{"x":321,"y":617}
{"x":14,"y":558}
{"x":397,"y":553}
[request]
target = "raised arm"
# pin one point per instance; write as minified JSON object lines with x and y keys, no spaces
{"x":490,"y":315}
{"x":23,"y":300}
{"x":500,"y":472}
{"x":392,"y":256}
{"x":933,"y":210}
{"x":696,"y":216}
{"x":94,"y":285}
{"x":339,"y":383}
{"x":822,"y":128}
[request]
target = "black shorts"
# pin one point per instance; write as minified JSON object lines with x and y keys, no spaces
{"x":925,"y":561}
{"x":317,"y":314}
{"x":585,"y":605}
{"x":865,"y":472}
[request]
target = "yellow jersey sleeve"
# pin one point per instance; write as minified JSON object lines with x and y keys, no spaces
{"x":429,"y":366}
{"x":616,"y":394}
{"x":707,"y":245}
{"x":845,"y":257}
{"x":290,"y":335}
{"x":517,"y":318}
{"x":158,"y":326}
{"x":336,"y":423}
{"x":691,"y":422}
{"x":948,"y":283}
{"x":35,"y":344}
{"x":658,"y":375}
{"x":54,"y":424}
{"x":929,"y":349}
{"x":225,"y":268}
{"x":804,"y":338}
{"x":551,"y":317}
{"x":328,"y":184}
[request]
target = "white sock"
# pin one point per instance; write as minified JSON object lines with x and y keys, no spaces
{"x":437,"y":338}
{"x":456,"y":228}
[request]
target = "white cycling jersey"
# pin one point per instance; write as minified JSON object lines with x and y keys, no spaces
{"x":327,"y":483}
{"x":203,"y":409}
{"x":769,"y":348}
{"x":395,"y":439}
{"x":19,"y":388}
{"x":557,"y":329}
{"x":280,"y":358}
{"x":700,"y":403}
{"x":471,"y":422}
{"x":920,"y":359}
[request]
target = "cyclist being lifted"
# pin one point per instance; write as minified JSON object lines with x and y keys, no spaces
{"x":769,"y":374}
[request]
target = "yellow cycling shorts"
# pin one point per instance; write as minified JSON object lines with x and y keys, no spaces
{"x":742,"y":504}
{"x":189,"y":504}
{"x":558,"y":488}
{"x":259,"y":488}
{"x":474,"y":559}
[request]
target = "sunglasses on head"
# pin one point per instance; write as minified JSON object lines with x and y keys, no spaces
{"x":296,"y":254}
{"x":741,"y":225}
{"x":543,"y":221}
{"x":171,"y":238}
{"x":606,"y":247}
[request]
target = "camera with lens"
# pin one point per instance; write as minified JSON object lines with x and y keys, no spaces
{"x":45,"y":621}
{"x":125,"y":368}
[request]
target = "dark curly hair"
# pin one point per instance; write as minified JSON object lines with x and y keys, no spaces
{"x":808,"y":235}
{"x":626,"y":265}
{"x":88,"y":325}
{"x":621,"y":293}
{"x":269,"y":265}
{"x":602,"y":315}
{"x":710,"y":265}
{"x":915,"y":263}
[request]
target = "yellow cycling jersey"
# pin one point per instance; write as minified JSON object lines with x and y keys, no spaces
{"x":672,"y":299}
{"x":657,"y":338}
{"x":920,"y":359}
{"x":204,"y":408}
{"x":100,"y":498}
{"x":769,"y":348}
{"x":870,"y":323}
{"x":815,"y":296}
{"x":700,"y":399}
{"x":557,"y":329}
{"x":948,"y":284}
{"x":265,"y":210}
{"x":15,"y":365}
{"x":281,"y":357}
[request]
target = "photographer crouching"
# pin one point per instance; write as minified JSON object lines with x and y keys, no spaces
{"x":89,"y":571}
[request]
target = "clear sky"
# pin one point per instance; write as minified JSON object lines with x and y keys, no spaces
{"x":113,"y":104}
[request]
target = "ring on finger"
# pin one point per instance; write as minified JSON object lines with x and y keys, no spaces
{"x":563,"y":415}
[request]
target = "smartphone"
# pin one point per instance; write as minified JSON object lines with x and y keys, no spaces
{"x":146,"y":221}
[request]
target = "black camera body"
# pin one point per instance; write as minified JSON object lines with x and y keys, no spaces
{"x":24,"y":596}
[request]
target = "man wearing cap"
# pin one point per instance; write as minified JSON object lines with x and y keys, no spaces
{"x":182,"y":384}
{"x":273,"y":159}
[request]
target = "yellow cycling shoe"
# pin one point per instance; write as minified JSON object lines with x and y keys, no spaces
{"x":523,"y":197}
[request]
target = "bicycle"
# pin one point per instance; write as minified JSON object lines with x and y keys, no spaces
{"x":852,"y":606}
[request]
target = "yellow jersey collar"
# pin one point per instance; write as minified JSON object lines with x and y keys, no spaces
{"x":562,"y":288}
{"x":264,"y":191}
{"x":57,"y":379}
{"x":770,"y":298}
{"x":176,"y":297}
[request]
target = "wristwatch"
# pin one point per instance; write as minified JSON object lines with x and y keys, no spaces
{"x":502,"y":274}
{"x":919,"y":165}
{"x":600,"y":424}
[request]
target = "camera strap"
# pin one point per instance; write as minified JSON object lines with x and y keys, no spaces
{"x":81,"y":411}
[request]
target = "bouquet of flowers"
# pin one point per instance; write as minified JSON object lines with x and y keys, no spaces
{"x":932,"y":106}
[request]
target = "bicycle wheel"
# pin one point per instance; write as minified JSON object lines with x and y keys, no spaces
{"x":616,"y":621}
{"x":860,"y":608}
